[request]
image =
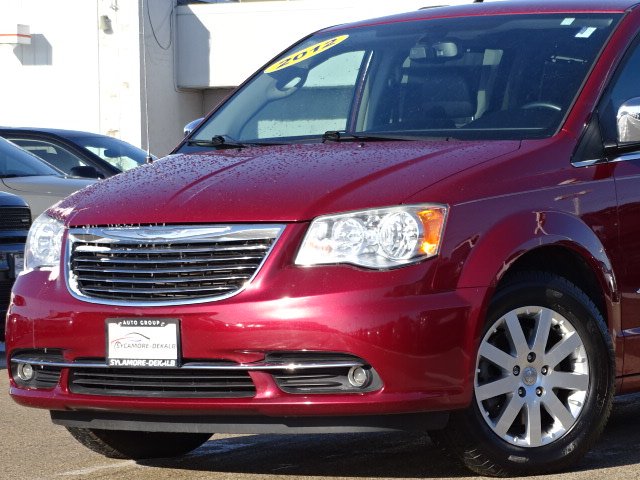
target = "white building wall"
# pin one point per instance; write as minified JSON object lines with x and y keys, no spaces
{"x":219,"y":45}
{"x":167,"y":108}
{"x":85,"y":70}
{"x":139,"y":70}
{"x":55,"y":80}
{"x":119,"y":62}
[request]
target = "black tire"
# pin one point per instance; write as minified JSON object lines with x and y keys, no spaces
{"x":138,"y":445}
{"x":476,"y":438}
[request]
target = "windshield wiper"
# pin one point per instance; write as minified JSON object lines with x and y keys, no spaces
{"x":224,"y":141}
{"x":339,"y":136}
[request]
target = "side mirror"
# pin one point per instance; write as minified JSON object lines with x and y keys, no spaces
{"x":191,"y":126}
{"x":85,"y":172}
{"x":628,"y":121}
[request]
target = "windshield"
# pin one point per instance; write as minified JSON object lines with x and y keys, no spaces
{"x":485,"y":77}
{"x":16,"y":162}
{"x":121,"y":155}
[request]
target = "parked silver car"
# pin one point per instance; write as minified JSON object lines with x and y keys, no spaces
{"x":31,"y":178}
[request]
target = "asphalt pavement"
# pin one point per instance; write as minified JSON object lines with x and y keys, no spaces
{"x":33,"y":448}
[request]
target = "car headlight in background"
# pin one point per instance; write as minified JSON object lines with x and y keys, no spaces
{"x":377,"y":238}
{"x":44,"y":243}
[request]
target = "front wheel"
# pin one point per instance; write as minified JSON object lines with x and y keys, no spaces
{"x":138,"y":445}
{"x":543,"y":384}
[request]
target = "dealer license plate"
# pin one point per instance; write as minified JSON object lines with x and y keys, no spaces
{"x":142,"y":342}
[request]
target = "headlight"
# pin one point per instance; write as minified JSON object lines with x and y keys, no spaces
{"x":380,"y":238}
{"x":44,"y":243}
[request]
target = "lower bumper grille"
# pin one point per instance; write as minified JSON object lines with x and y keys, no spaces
{"x":45,"y":375}
{"x":329,"y":379}
{"x":293,"y":372}
{"x":162,"y":383}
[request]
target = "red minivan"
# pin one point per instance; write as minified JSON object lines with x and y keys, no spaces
{"x":423,"y":222}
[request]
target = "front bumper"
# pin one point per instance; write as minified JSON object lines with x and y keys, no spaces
{"x":418,"y":342}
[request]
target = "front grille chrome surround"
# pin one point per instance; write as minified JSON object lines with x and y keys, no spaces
{"x":165,"y":265}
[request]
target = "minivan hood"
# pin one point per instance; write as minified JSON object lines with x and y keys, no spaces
{"x":274,"y":184}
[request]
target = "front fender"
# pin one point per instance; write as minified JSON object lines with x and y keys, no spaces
{"x":496,"y":250}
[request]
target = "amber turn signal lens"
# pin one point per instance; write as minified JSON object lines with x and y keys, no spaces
{"x":433,"y":224}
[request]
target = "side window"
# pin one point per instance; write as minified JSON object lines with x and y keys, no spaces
{"x":51,"y":153}
{"x":625,"y":86}
{"x":118,"y":159}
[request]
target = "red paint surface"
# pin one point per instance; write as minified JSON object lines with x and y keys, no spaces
{"x":418,"y":326}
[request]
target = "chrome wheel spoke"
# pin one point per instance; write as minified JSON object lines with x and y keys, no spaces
{"x":494,"y":389}
{"x":543,"y":327}
{"x":509,"y":415}
{"x":517,"y":335}
{"x":533,"y":432}
{"x":496,"y":356}
{"x":558,"y":410}
{"x":569,"y":381}
{"x":563,"y":349}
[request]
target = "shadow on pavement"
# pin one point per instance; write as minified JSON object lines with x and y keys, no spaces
{"x":382,"y":455}
{"x":620,"y":442}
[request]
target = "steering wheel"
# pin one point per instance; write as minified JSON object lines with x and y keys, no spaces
{"x":549,"y":105}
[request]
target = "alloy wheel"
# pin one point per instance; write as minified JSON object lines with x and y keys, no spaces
{"x":532,"y":376}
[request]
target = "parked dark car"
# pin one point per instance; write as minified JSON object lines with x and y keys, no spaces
{"x":36,"y":181}
{"x":427,"y":222}
{"x":15,"y":220}
{"x":76,"y":153}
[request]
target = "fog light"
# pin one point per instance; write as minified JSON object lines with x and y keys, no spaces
{"x":359,"y":377}
{"x":25,"y":372}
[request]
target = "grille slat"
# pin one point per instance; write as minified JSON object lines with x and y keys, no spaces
{"x":164,"y":280}
{"x":160,"y":384}
{"x":95,"y":249}
{"x":145,"y":261}
{"x":301,"y":382}
{"x":154,"y":291}
{"x":186,"y":375}
{"x":173,"y":383}
{"x":153,"y":265}
{"x":105,"y":270}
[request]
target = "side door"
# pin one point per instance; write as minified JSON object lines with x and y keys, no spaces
{"x":626,"y":161}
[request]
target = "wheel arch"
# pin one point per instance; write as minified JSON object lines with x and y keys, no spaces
{"x":551,"y":241}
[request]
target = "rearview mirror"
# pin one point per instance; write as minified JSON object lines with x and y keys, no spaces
{"x":85,"y":171}
{"x":436,"y":51}
{"x":628,"y":121}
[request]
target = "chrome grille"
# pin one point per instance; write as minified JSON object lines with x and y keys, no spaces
{"x":165,"y":265}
